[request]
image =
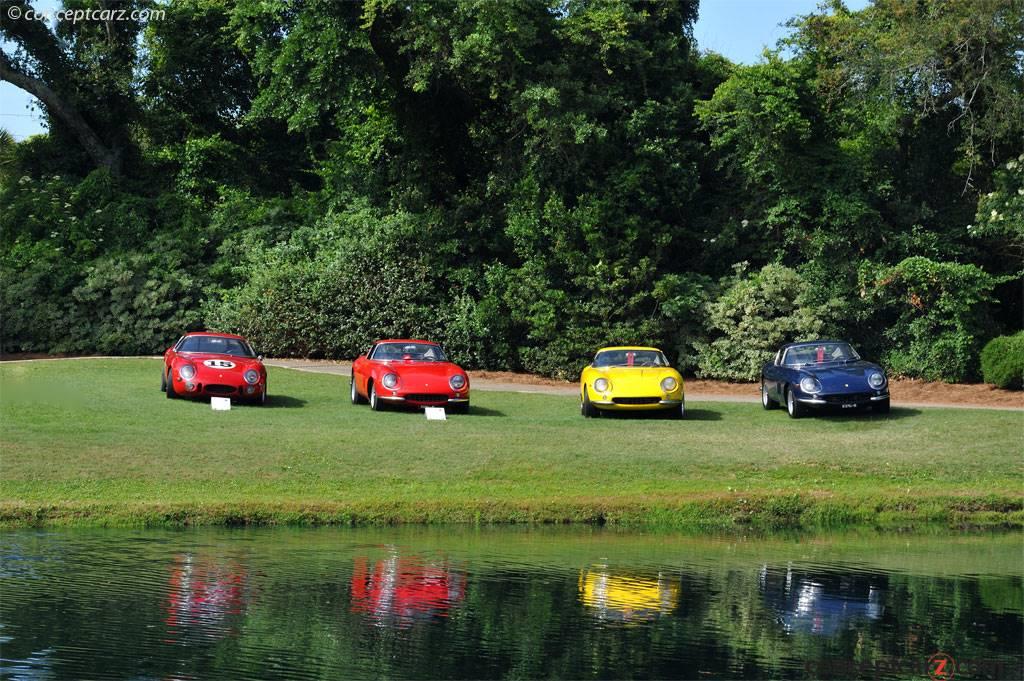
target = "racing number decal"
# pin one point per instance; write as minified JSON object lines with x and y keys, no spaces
{"x":219,"y":364}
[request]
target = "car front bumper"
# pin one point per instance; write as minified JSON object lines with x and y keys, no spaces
{"x":419,"y":402}
{"x":246,"y":391}
{"x":842,"y":400}
{"x":653,"y":404}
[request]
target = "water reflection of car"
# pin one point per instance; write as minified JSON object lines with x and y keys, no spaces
{"x":631,"y":379}
{"x":409,"y":372}
{"x":398,"y":591}
{"x":822,"y":603}
{"x":820,"y":374}
{"x":627,"y":597}
{"x":205,"y":598}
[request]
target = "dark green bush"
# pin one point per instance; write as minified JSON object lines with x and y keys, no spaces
{"x":934,"y":315}
{"x":1002,"y":361}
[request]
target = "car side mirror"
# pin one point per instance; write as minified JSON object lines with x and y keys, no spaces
{"x":259,"y":357}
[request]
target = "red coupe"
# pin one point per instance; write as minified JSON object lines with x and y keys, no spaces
{"x":204,"y":364}
{"x":412,"y":372}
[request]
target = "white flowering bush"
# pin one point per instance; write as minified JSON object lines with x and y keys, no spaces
{"x":1001,"y":211}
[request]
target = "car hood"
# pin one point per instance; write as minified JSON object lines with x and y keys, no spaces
{"x":420,"y":371}
{"x":630,"y":376}
{"x":199,"y":361}
{"x":852,"y":377}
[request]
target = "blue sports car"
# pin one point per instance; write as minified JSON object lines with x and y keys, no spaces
{"x":822,"y":373}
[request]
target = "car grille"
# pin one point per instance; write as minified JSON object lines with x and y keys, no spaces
{"x":426,"y":397}
{"x":636,"y":400}
{"x":218,"y":389}
{"x":847,"y":398}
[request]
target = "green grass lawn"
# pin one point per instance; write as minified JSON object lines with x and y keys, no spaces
{"x":94,"y":441}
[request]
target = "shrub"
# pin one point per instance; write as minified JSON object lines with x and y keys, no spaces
{"x":753,"y":317}
{"x":935,"y":315}
{"x":1002,"y":361}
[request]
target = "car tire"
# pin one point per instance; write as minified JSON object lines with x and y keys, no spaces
{"x":163,"y":382}
{"x":588,"y":410}
{"x":679,"y":413}
{"x":169,"y":385}
{"x":354,"y":392}
{"x":794,"y":408}
{"x":881,"y":407}
{"x":462,"y":408}
{"x":263,"y":398}
{"x":376,"y":404}
{"x":766,"y":401}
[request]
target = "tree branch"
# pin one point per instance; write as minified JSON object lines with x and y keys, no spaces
{"x":101,"y":154}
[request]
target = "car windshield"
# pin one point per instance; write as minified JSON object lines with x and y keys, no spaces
{"x":630,"y":358}
{"x":819,"y":353}
{"x":418,"y":352}
{"x":216,"y":345}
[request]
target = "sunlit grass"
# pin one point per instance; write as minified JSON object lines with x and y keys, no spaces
{"x":95,"y":441}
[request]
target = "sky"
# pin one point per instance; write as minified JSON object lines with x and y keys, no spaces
{"x":738,"y":29}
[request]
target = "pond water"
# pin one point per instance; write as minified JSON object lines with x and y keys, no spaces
{"x":507,"y":603}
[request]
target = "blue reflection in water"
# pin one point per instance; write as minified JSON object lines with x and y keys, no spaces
{"x":822,"y":602}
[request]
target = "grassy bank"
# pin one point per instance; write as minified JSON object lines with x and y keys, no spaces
{"x":95,"y":442}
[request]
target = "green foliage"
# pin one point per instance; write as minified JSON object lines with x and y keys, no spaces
{"x":753,"y":316}
{"x":522,"y":181}
{"x":330,"y":290}
{"x":936,"y":316}
{"x":1002,"y":361}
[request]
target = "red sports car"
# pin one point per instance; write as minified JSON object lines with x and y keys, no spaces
{"x":413,"y":372}
{"x":204,"y":364}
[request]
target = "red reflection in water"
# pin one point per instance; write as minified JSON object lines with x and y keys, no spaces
{"x":398,"y":591}
{"x":202,"y":595}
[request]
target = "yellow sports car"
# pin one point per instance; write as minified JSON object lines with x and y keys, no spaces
{"x":631,"y":379}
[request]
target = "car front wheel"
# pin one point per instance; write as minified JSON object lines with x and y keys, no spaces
{"x":793,"y":408}
{"x":881,"y":407}
{"x":376,"y":403}
{"x":354,"y":392}
{"x":169,"y":385}
{"x":588,"y":410}
{"x":766,"y":401}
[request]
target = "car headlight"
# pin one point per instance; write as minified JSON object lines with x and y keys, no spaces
{"x":668,"y":384}
{"x":876,"y":379}
{"x":390,"y":381}
{"x":810,"y":385}
{"x":187,"y":372}
{"x":251,"y":376}
{"x":601,"y":385}
{"x":457,"y":382}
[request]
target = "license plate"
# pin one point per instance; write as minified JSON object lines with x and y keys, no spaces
{"x":850,"y":405}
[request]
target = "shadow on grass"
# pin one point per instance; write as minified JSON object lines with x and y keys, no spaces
{"x":895,"y":414}
{"x":691,"y":415}
{"x":283,"y":402}
{"x":484,"y":411}
{"x":702,"y":415}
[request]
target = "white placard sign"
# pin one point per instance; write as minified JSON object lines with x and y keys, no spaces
{"x":435,"y":413}
{"x":220,"y":403}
